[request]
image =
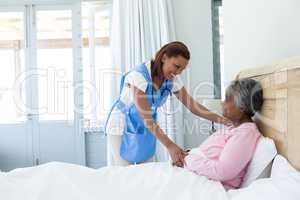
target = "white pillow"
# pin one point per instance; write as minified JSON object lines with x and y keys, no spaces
{"x":283,"y":169}
{"x":260,"y":165}
{"x":286,"y":177}
{"x":283,"y":184}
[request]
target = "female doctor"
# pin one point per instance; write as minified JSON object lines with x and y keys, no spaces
{"x":131,"y":127}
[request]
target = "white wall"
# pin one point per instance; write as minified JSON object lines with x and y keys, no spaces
{"x":259,"y":32}
{"x":193,"y":26}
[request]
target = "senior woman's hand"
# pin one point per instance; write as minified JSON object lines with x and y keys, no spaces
{"x":177,"y":154}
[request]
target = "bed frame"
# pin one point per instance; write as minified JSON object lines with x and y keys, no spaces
{"x":280,"y":115}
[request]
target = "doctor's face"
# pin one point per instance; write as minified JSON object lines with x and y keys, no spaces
{"x":173,"y":66}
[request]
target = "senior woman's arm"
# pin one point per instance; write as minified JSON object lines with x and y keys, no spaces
{"x":235,"y":156}
{"x":199,"y":109}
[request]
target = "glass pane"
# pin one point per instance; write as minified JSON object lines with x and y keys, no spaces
{"x":96,"y":56}
{"x":12,"y":85}
{"x":55,"y":64}
{"x":221,"y":32}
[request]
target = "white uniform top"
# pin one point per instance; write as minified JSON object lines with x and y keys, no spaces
{"x":115,"y":123}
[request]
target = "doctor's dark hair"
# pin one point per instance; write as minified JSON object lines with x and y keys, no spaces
{"x":172,"y":49}
{"x":248,"y":95}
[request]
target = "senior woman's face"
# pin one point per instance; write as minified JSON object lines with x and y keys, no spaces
{"x":173,"y":66}
{"x":230,"y":110}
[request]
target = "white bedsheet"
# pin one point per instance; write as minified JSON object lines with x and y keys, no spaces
{"x":148,"y":181}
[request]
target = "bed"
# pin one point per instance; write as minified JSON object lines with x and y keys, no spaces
{"x":278,"y":120}
{"x":280,"y":117}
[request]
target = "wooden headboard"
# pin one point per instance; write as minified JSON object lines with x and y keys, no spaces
{"x":280,"y":115}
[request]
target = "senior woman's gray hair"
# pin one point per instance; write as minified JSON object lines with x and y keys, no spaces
{"x":248,"y":95}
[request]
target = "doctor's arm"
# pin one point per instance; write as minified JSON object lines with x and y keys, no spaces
{"x":199,"y":109}
{"x":141,"y":102}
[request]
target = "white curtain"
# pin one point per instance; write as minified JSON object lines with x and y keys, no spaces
{"x":139,"y":29}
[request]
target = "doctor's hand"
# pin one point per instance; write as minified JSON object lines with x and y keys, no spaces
{"x":177,"y":155}
{"x":226,"y":121}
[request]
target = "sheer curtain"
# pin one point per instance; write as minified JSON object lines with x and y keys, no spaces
{"x":139,"y":29}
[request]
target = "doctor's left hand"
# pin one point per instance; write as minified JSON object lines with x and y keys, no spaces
{"x":177,"y":154}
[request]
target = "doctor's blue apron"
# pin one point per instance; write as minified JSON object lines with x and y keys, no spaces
{"x":138,"y":143}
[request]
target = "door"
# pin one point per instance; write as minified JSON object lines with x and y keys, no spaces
{"x":15,"y":120}
{"x":40,"y":93}
{"x":57,"y":131}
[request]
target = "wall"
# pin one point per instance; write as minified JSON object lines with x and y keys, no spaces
{"x":95,"y":148}
{"x":193,"y":26}
{"x":259,"y":32}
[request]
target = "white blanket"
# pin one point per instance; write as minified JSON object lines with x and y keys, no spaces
{"x":141,"y":182}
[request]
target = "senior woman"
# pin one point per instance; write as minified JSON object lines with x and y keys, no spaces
{"x":225,"y":155}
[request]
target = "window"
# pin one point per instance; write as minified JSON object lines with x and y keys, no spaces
{"x":96,"y":59}
{"x":55,"y":61}
{"x":12,"y":92}
{"x":218,"y":45}
{"x":55,"y":64}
